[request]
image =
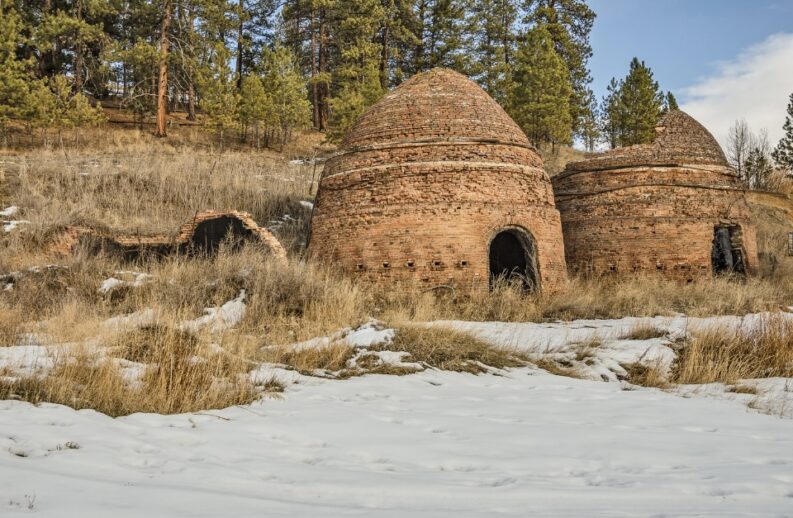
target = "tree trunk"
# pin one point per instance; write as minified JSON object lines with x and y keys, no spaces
{"x":384,"y":60}
{"x":162,"y":87}
{"x":241,"y":14}
{"x":314,"y":85}
{"x":190,"y":100}
{"x":324,"y":112}
{"x":78,"y":55}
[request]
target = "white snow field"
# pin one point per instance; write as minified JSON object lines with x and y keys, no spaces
{"x":437,"y":444}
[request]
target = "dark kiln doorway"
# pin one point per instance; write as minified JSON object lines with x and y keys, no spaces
{"x":727,"y":255}
{"x":513,"y":258}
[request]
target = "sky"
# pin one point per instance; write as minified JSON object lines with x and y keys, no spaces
{"x":723,"y":59}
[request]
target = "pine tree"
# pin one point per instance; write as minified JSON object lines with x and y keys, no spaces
{"x":633,"y":107}
{"x":670,"y":102}
{"x":15,"y":102}
{"x":253,"y":108}
{"x":569,"y":23}
{"x":540,"y":99}
{"x":611,"y":112}
{"x":590,"y":130}
{"x":758,"y":168}
{"x":783,"y":153}
{"x":356,"y":76}
{"x":289,"y":108}
{"x":442,"y":36}
{"x":493,"y":26}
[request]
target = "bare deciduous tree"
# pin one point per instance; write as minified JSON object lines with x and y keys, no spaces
{"x":739,"y":144}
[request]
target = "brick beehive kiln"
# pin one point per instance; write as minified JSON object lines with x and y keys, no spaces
{"x":435,"y":185}
{"x":673,"y":206}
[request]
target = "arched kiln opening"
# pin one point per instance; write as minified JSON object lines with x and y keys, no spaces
{"x":727,"y":256}
{"x":209,"y":235}
{"x":513,"y":257}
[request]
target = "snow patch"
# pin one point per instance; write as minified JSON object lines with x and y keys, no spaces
{"x":9,"y":211}
{"x":219,"y":319}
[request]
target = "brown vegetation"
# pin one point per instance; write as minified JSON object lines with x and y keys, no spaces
{"x":139,"y":186}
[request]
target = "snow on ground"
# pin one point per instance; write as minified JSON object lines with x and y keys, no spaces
{"x":524,"y":443}
{"x":225,"y":317}
{"x":514,"y":443}
{"x":127,"y":278}
{"x":9,"y":211}
{"x":10,"y":225}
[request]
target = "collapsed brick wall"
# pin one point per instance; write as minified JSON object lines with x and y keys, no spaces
{"x":201,"y":234}
{"x":653,"y":208}
{"x":423,"y":183}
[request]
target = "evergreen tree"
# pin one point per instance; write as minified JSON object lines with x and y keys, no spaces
{"x":492,"y":24}
{"x":442,"y":36}
{"x":397,"y":37}
{"x":569,"y":23}
{"x":670,"y":102}
{"x":633,"y":107}
{"x":288,"y":106}
{"x":610,"y":113}
{"x":641,"y":105}
{"x":758,"y":169}
{"x":253,"y":109}
{"x":15,"y":102}
{"x":540,"y":98}
{"x":356,"y":77}
{"x":783,"y":153}
{"x":590,"y":131}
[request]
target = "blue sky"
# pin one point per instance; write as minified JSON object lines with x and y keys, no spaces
{"x":723,"y":59}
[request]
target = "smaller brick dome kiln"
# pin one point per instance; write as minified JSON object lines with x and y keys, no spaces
{"x":673,"y":206}
{"x":435,"y":185}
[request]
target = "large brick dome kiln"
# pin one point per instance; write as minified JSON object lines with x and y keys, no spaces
{"x":435,"y":185}
{"x":673,"y":206}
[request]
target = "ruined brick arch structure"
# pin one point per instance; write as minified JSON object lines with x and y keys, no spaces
{"x":657,"y":208}
{"x":423,"y":182}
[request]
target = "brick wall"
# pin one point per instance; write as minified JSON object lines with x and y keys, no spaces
{"x":424,"y":181}
{"x":653,"y":208}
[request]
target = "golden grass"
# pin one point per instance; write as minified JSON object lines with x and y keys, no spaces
{"x":728,"y":355}
{"x":446,"y":349}
{"x":311,"y":360}
{"x":180,"y":374}
{"x":130,"y":182}
{"x":647,"y":375}
{"x":644,"y":331}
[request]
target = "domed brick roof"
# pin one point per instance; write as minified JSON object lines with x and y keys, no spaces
{"x":433,"y":106}
{"x":679,"y":140}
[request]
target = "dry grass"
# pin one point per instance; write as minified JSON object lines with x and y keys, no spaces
{"x":647,"y":375}
{"x":180,"y":373}
{"x":446,"y":349}
{"x":644,"y":331}
{"x":10,"y":324}
{"x":134,"y":183}
{"x":728,"y":355}
{"x":642,"y":296}
{"x":310,"y":361}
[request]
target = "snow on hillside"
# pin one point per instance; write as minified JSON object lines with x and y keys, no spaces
{"x":514,"y":443}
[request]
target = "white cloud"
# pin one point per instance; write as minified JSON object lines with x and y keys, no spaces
{"x":755,"y":86}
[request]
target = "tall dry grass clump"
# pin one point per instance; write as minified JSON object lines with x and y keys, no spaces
{"x":762,"y":349}
{"x":446,"y":349}
{"x":157,"y":368}
{"x":641,"y":296}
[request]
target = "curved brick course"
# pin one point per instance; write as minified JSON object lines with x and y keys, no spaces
{"x":424,"y":181}
{"x":654,"y":207}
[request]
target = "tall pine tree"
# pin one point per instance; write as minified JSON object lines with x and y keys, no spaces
{"x":783,"y":153}
{"x":540,"y":98}
{"x":493,"y":28}
{"x":569,"y":23}
{"x":633,"y":107}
